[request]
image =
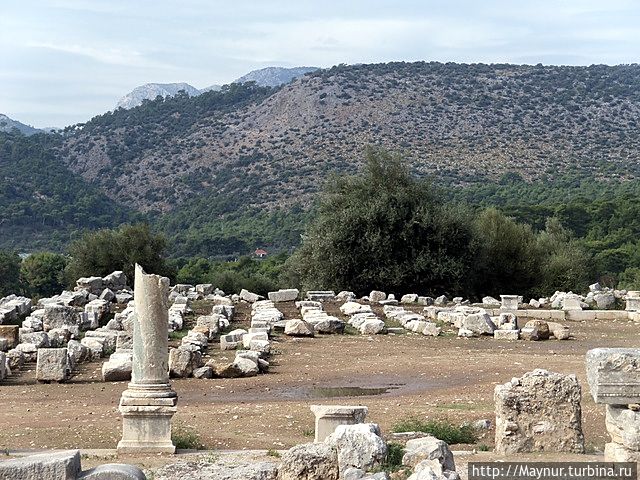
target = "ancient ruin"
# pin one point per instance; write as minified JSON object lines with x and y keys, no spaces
{"x":149,"y":402}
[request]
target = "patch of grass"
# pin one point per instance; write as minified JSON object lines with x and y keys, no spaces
{"x":185,"y":438}
{"x":210,"y":458}
{"x":483,"y":448}
{"x":350,"y":330}
{"x":441,"y":429}
{"x":309,"y":432}
{"x":273,"y":453}
{"x":178,"y":334}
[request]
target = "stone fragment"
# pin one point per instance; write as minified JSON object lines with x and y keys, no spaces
{"x":217,"y":471}
{"x":559,"y":331}
{"x":409,"y":298}
{"x":360,"y":446}
{"x":287,"y":295}
{"x":377,"y":296}
{"x":57,"y":316}
{"x":203,"y":372}
{"x":298,"y":328}
{"x":539,"y":412}
{"x":478,"y":323}
{"x":536,"y":330}
{"x":309,"y":461}
{"x":509,"y":302}
{"x":491,"y":302}
{"x":321,"y":295}
{"x":77,"y":352}
{"x":372,"y":327}
{"x":113,"y":471}
{"x":614,"y":452}
{"x":351,"y":308}
{"x":53,"y":365}
{"x":249,"y":297}
{"x":183,"y":361}
{"x":119,"y":367}
{"x":506,"y":334}
{"x":428,"y":448}
{"x":623,"y":424}
{"x":614,"y":375}
{"x":11,"y":334}
{"x":39,"y":339}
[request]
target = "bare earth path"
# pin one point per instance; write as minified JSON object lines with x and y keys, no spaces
{"x":427,"y":377}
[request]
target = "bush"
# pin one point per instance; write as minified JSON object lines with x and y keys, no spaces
{"x":442,"y":430}
{"x":185,"y":438}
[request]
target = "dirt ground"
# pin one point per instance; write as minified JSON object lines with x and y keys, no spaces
{"x":425,"y":377}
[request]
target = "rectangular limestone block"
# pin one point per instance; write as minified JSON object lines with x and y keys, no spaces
{"x":53,"y":465}
{"x":53,"y":365}
{"x":614,"y":375}
{"x":328,"y":417}
{"x":611,"y":314}
{"x":580,"y":315}
{"x":506,"y":334}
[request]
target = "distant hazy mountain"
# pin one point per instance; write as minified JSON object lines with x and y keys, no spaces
{"x":274,"y":76}
{"x":150,"y":91}
{"x":8,"y":124}
{"x":212,"y":88}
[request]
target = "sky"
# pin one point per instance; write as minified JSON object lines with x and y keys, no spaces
{"x":65,"y":61}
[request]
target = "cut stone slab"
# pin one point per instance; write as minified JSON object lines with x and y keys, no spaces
{"x":329,"y":417}
{"x":321,"y":295}
{"x":248,"y":296}
{"x":53,"y":365}
{"x":614,"y":375}
{"x":51,"y":465}
{"x":286,"y":295}
{"x":506,"y":334}
{"x":539,"y":411}
{"x":119,"y":367}
{"x":11,"y":333}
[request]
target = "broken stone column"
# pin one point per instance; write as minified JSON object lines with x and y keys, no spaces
{"x":633,"y":301}
{"x":539,"y":412}
{"x":328,"y":417}
{"x":149,"y":402}
{"x":509,"y":302}
{"x":614,"y":379}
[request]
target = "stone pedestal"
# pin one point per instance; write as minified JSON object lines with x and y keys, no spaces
{"x":149,"y":401}
{"x":509,"y":302}
{"x":328,"y":417}
{"x":633,"y":301}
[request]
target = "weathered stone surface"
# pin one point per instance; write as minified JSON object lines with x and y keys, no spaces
{"x":506,"y":334}
{"x":428,"y":448}
{"x":53,"y":365}
{"x":466,"y":333}
{"x":431,"y":329}
{"x":247,"y":338}
{"x":240,"y":367}
{"x":77,"y":352}
{"x":614,"y":375}
{"x":372,"y":327}
{"x":351,"y":308}
{"x":56,"y":316}
{"x":298,"y":328}
{"x":509,"y":302}
{"x":321,"y":295}
{"x":203,"y":372}
{"x":208,"y":471}
{"x":119,"y":367}
{"x":539,"y":412}
{"x":149,"y":402}
{"x":39,"y":339}
{"x":614,"y":452}
{"x":11,"y":333}
{"x":115,"y":280}
{"x":559,"y":331}
{"x":360,"y":446}
{"x":329,"y":417}
{"x":623,"y":424}
{"x":113,"y":471}
{"x":605,"y":300}
{"x":287,"y":295}
{"x":247,"y":296}
{"x":409,"y":298}
{"x":535,"y":330}
{"x":15,"y":359}
{"x":479,"y":323}
{"x":491,"y":302}
{"x":377,"y":296}
{"x":309,"y":461}
{"x":183,"y":361}
{"x":51,"y":465}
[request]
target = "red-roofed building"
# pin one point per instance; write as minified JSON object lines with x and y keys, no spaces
{"x":260,"y":253}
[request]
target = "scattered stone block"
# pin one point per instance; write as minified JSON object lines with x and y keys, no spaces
{"x":286,"y":295}
{"x":203,"y":372}
{"x":183,"y":361}
{"x":50,"y":465}
{"x":11,"y":334}
{"x":360,"y":446}
{"x":506,"y":334}
{"x":539,"y":412}
{"x":509,"y":302}
{"x":298,"y":328}
{"x":309,"y":461}
{"x":119,"y":367}
{"x":428,"y":448}
{"x":614,"y":375}
{"x":321,"y":295}
{"x":248,"y":296}
{"x":329,"y":417}
{"x":535,"y":330}
{"x":478,"y":323}
{"x":376,"y":296}
{"x":53,"y":365}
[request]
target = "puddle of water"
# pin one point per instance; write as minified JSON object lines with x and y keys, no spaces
{"x":331,"y":392}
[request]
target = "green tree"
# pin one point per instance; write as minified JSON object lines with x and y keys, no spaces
{"x":43,"y":273}
{"x":384,"y":229}
{"x":9,"y":273}
{"x":104,"y":251}
{"x":508,"y":259}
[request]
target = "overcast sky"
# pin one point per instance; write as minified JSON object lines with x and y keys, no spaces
{"x":64,"y":61}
